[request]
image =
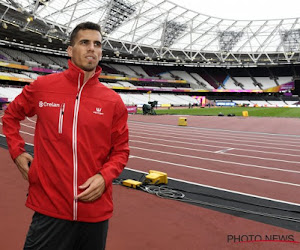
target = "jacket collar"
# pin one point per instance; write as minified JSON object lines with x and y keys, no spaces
{"x":73,"y":73}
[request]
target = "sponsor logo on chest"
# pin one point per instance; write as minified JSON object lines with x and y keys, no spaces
{"x":98,"y":111}
{"x":43,"y":104}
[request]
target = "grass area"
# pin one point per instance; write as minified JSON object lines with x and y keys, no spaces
{"x":238,"y":111}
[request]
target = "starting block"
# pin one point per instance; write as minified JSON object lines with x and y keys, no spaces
{"x":131,"y":183}
{"x":156,"y":177}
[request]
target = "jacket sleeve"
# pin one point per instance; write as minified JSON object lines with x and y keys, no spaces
{"x":119,"y":153}
{"x":16,"y":111}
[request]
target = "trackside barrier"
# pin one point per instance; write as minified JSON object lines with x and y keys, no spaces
{"x":131,"y":109}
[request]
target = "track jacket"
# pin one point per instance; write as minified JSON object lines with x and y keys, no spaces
{"x":81,"y":130}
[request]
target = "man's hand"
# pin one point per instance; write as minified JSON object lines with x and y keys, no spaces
{"x":22,"y":162}
{"x":94,"y":188}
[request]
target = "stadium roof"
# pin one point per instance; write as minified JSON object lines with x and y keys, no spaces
{"x":158,"y":30}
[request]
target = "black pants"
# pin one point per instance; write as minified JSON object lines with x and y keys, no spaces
{"x":47,"y":233}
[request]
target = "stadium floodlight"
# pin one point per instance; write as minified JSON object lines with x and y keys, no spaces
{"x":171,"y":31}
{"x":4,"y":25}
{"x":228,"y":39}
{"x":29,"y":19}
{"x":118,"y":12}
{"x":291,"y":40}
{"x":52,"y":29}
{"x":117,"y":53}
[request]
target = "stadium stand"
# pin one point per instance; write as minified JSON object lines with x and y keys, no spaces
{"x":139,"y":71}
{"x":60,"y":61}
{"x":230,"y":83}
{"x":201,"y":82}
{"x":108,"y":69}
{"x":124,"y":69}
{"x":160,"y":78}
{"x":18,"y":56}
{"x":10,"y":92}
{"x":5,"y":56}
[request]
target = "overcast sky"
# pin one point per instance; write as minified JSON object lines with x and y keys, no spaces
{"x":244,"y":9}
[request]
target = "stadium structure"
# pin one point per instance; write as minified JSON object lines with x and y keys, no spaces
{"x":176,"y":54}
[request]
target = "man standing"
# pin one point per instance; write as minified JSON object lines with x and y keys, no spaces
{"x":80,"y":146}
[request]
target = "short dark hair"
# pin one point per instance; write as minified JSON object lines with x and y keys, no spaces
{"x":83,"y":26}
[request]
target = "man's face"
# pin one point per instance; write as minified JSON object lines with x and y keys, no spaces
{"x":86,"y":51}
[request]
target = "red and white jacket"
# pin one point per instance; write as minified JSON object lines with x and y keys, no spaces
{"x":81,"y":130}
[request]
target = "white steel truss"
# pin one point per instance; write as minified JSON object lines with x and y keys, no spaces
{"x":161,"y":30}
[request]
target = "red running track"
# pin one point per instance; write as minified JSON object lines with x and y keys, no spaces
{"x":255,"y":156}
{"x":214,"y":151}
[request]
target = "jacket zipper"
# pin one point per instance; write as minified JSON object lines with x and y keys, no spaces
{"x":74,"y":145}
{"x":61,"y":118}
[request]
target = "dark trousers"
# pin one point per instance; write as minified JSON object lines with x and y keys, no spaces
{"x":48,"y":233}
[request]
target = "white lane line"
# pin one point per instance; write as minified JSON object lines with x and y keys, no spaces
{"x":272,"y":159}
{"x":30,"y":144}
{"x":23,"y":133}
{"x":28,"y":126}
{"x":228,"y":149}
{"x":214,"y":133}
{"x":26,"y":133}
{"x":220,"y":138}
{"x":223,"y":151}
{"x":23,"y":124}
{"x":214,"y":129}
{"x":218,"y":172}
{"x":220,"y":189}
{"x":30,"y":120}
{"x":212,"y":146}
{"x":209,"y":139}
{"x":216,"y":160}
{"x":217,"y":137}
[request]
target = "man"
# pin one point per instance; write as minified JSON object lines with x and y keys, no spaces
{"x":80,"y":146}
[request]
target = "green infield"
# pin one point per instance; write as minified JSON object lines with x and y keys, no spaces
{"x":237,"y":111}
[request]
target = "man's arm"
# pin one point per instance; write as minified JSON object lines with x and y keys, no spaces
{"x":93,"y":188}
{"x":117,"y":160}
{"x":119,"y":153}
{"x":17,"y":110}
{"x":22,"y":161}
